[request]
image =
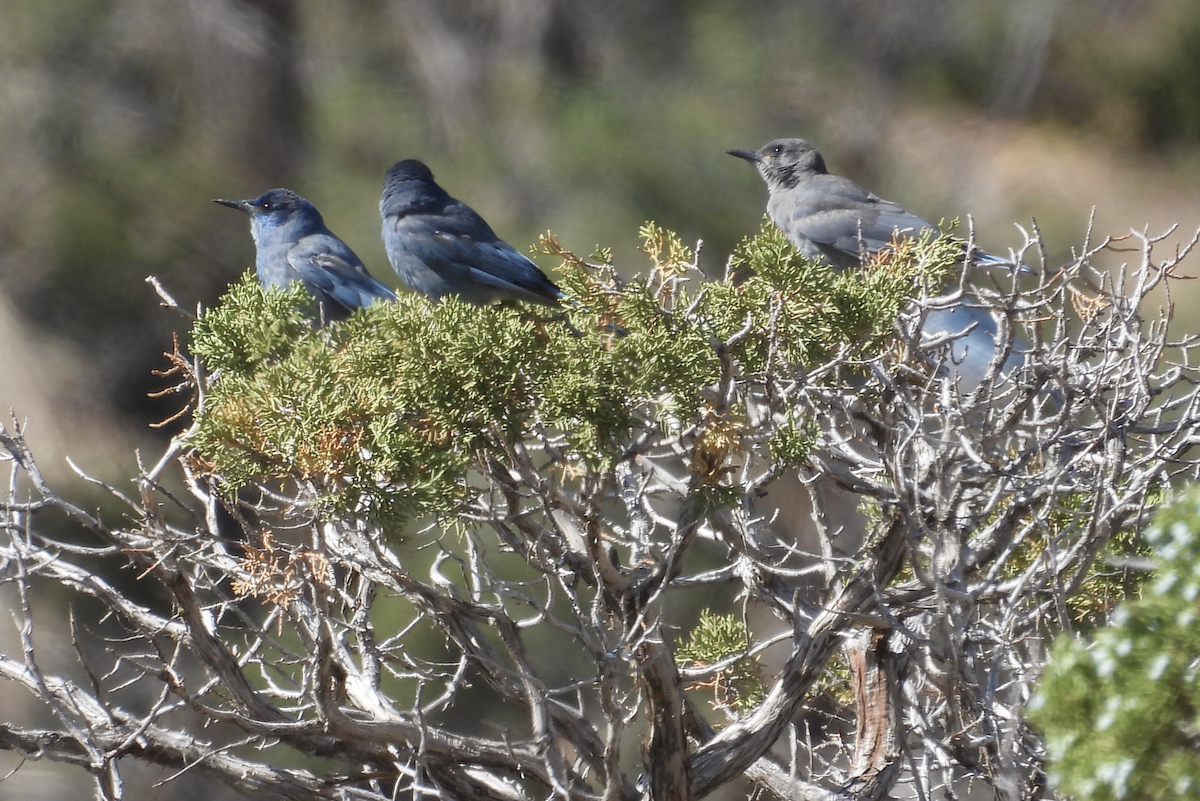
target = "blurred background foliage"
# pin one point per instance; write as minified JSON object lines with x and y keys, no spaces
{"x":1120,"y":714}
{"x":121,"y":119}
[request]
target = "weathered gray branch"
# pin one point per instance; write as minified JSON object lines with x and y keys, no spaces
{"x":548,"y":603}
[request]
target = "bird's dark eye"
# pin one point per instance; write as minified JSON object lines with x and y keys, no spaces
{"x":267,"y":207}
{"x":777,"y":149}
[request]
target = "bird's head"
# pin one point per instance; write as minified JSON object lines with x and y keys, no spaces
{"x":783,"y":162}
{"x":276,"y":208}
{"x":408,"y":170}
{"x":408,"y":187}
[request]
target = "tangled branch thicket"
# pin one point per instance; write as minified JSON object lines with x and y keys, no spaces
{"x":458,"y":552}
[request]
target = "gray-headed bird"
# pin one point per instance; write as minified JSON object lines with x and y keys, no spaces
{"x":831,"y":218}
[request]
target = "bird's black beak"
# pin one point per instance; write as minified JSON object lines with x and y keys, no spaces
{"x":748,"y":155}
{"x":244,"y":206}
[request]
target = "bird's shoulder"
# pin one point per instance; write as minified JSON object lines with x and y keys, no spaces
{"x":475,"y":251}
{"x":488,"y":254}
{"x":830,"y":203}
{"x":328,"y":263}
{"x":324,"y":249}
{"x":835,"y":192}
{"x":453,"y":220}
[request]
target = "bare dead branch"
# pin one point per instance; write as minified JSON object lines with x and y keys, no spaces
{"x":899,"y":586}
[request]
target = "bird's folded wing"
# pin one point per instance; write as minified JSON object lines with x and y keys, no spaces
{"x":495,"y":263}
{"x":877,"y":225}
{"x":346,"y":281}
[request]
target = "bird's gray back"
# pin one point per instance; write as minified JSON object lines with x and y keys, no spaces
{"x":831,"y":217}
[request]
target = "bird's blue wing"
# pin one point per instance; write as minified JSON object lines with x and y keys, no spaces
{"x":972,"y":332}
{"x":498,"y":264}
{"x":336,"y":272}
{"x":457,"y":252}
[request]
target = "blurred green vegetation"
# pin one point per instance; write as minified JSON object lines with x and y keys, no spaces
{"x":1121,"y":713}
{"x":120,"y":120}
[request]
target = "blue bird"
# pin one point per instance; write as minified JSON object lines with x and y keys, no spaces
{"x":439,"y":245}
{"x":293,"y":244}
{"x":833,"y":219}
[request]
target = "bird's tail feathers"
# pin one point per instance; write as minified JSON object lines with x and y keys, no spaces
{"x":987,"y":260}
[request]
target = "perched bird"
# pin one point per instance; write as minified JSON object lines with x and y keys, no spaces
{"x":831,"y":218}
{"x":828,"y":216}
{"x":439,"y":245}
{"x":293,"y":244}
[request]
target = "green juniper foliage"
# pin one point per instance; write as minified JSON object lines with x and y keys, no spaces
{"x":386,"y":413}
{"x":1121,"y":715}
{"x":716,"y":638}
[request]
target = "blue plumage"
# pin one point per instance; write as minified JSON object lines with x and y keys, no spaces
{"x":439,"y":245}
{"x":293,"y":244}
